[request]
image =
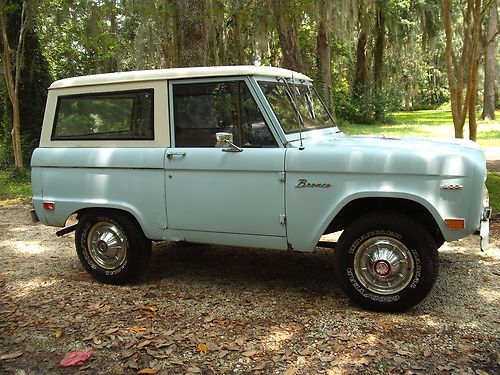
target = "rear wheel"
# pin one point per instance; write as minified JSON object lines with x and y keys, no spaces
{"x":386,"y":261}
{"x":111,"y":246}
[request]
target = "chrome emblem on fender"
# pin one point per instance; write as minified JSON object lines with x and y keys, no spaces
{"x":303,"y":183}
{"x":451,"y":187}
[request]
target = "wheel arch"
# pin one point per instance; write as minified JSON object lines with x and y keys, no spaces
{"x":407,"y":205}
{"x":119,"y":211}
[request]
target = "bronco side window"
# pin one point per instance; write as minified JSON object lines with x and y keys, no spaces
{"x":105,"y":116}
{"x":203,"y":109}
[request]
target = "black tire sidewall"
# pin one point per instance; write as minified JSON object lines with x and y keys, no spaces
{"x":138,"y":251}
{"x":402,"y":229}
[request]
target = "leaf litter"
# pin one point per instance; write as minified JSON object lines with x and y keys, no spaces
{"x":207,"y":309}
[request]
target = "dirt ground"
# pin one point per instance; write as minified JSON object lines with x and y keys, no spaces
{"x":492,"y":158}
{"x":210,"y":310}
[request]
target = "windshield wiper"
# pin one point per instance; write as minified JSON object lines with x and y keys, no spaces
{"x":294,"y":105}
{"x":309,"y":85}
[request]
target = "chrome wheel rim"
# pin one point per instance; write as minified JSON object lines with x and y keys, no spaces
{"x":107,"y":245}
{"x":384,"y":265}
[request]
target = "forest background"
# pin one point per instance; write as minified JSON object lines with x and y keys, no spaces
{"x":369,"y":58}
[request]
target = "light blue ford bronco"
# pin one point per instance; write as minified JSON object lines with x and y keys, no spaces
{"x":249,"y":156}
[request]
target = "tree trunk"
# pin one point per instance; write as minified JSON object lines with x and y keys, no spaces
{"x":111,"y":64}
{"x":475,"y":57}
{"x":360,"y":79}
{"x":219,"y":27}
{"x":490,"y":66}
{"x":407,"y":98}
{"x":192,"y":32}
{"x":287,"y":32}
{"x":462,"y":73}
{"x":215,"y":14}
{"x":12,"y":76}
{"x":173,"y":43}
{"x":16,"y":135}
{"x":455,"y":85}
{"x":324,"y":60}
{"x":378,"y":59}
{"x":237,"y":38}
{"x":472,"y":99}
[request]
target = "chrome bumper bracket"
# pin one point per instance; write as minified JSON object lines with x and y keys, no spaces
{"x":484,"y":233}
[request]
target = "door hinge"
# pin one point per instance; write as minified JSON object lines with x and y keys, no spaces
{"x":282,"y":219}
{"x":281,"y":176}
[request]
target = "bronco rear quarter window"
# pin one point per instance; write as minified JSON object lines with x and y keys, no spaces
{"x":124,"y":115}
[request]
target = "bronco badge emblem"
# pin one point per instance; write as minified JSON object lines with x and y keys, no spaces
{"x":303,"y":183}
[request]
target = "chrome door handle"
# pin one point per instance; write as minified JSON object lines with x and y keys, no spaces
{"x":170,"y":155}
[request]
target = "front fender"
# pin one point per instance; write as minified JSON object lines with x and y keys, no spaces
{"x":307,"y":224}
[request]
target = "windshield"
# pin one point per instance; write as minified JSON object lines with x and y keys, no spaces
{"x":281,"y":97}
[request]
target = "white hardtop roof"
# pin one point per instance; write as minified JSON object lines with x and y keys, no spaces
{"x":160,"y":74}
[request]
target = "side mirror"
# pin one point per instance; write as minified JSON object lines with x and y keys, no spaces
{"x":222,"y":137}
{"x":225,"y":140}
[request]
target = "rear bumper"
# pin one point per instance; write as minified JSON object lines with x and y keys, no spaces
{"x":34,"y":216}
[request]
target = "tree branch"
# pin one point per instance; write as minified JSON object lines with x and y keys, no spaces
{"x":7,"y":59}
{"x":20,"y":47}
{"x":490,"y":41}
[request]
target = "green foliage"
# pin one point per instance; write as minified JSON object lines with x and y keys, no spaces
{"x":35,"y":80}
{"x":6,"y":157}
{"x":386,"y":101}
{"x":84,"y":37}
{"x":493,"y":185}
{"x":73,"y":38}
{"x":433,"y":123}
{"x":361,"y":110}
{"x":14,"y":186}
{"x":33,"y":94}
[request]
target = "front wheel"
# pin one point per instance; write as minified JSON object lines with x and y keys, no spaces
{"x":386,"y":261}
{"x":111,"y":246}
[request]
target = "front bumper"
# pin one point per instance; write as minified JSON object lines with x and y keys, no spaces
{"x":484,"y":228}
{"x":484,"y":233}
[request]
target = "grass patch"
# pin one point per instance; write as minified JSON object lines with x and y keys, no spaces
{"x":14,"y":187}
{"x":430,"y":123}
{"x":493,"y":184}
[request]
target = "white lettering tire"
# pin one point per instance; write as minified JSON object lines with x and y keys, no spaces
{"x":111,"y":246}
{"x":386,"y":261}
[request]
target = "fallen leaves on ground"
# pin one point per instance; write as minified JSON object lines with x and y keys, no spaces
{"x":211,"y":310}
{"x":76,"y":358}
{"x":12,"y":355}
{"x":147,"y":371}
{"x":203,"y":348}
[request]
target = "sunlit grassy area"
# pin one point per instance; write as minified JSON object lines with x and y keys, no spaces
{"x":14,"y":187}
{"x":493,"y":184}
{"x":431,"y":123}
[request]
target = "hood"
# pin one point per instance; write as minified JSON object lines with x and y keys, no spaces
{"x":424,"y":144}
{"x":381,"y":154}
